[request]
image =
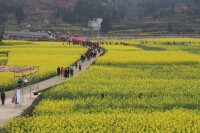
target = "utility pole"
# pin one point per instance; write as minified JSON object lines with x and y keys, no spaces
{"x":98,"y":30}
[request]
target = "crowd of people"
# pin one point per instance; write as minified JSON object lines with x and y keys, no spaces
{"x":65,"y":72}
{"x":93,"y":50}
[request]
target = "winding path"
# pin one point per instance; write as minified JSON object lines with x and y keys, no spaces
{"x":10,"y":110}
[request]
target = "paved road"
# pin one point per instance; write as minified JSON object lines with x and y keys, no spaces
{"x":10,"y":110}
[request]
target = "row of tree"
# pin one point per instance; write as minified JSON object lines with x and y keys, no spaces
{"x":118,"y":11}
{"x":112,"y":11}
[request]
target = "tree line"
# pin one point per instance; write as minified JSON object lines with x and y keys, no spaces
{"x":112,"y":11}
{"x":119,"y":11}
{"x":11,"y":7}
{"x":122,"y":10}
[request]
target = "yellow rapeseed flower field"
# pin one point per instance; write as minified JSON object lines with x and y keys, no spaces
{"x":47,"y":55}
{"x":148,"y":88}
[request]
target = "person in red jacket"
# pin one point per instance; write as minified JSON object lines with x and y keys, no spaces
{"x":62,"y":71}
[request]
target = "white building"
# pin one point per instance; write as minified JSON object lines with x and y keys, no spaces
{"x":95,"y":25}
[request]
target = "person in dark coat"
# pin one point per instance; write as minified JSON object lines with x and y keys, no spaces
{"x":80,"y":66}
{"x":72,"y":71}
{"x":58,"y":71}
{"x":3,"y":97}
{"x":76,"y":65}
{"x":66,"y":75}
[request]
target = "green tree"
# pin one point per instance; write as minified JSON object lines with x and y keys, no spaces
{"x":19,"y":14}
{"x":170,"y":28}
{"x":1,"y":31}
{"x":106,"y":25}
{"x":197,"y":7}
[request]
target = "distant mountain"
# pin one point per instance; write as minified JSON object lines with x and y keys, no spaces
{"x":131,"y":13}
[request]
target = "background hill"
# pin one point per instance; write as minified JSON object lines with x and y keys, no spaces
{"x":123,"y":15}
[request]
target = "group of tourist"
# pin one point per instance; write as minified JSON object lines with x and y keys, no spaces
{"x":114,"y":43}
{"x":66,"y":72}
{"x":3,"y":98}
{"x":93,"y":49}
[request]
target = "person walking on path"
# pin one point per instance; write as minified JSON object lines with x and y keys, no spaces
{"x":79,"y":66}
{"x":3,"y":97}
{"x":71,"y":71}
{"x":83,"y":58}
{"x":76,"y":65}
{"x":58,"y":71}
{"x":66,"y":75}
{"x":62,"y":71}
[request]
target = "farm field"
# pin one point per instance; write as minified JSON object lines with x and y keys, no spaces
{"x":147,"y":88}
{"x":47,"y":55}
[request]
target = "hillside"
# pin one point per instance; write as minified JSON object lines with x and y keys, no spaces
{"x":43,"y":11}
{"x":148,"y":15}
